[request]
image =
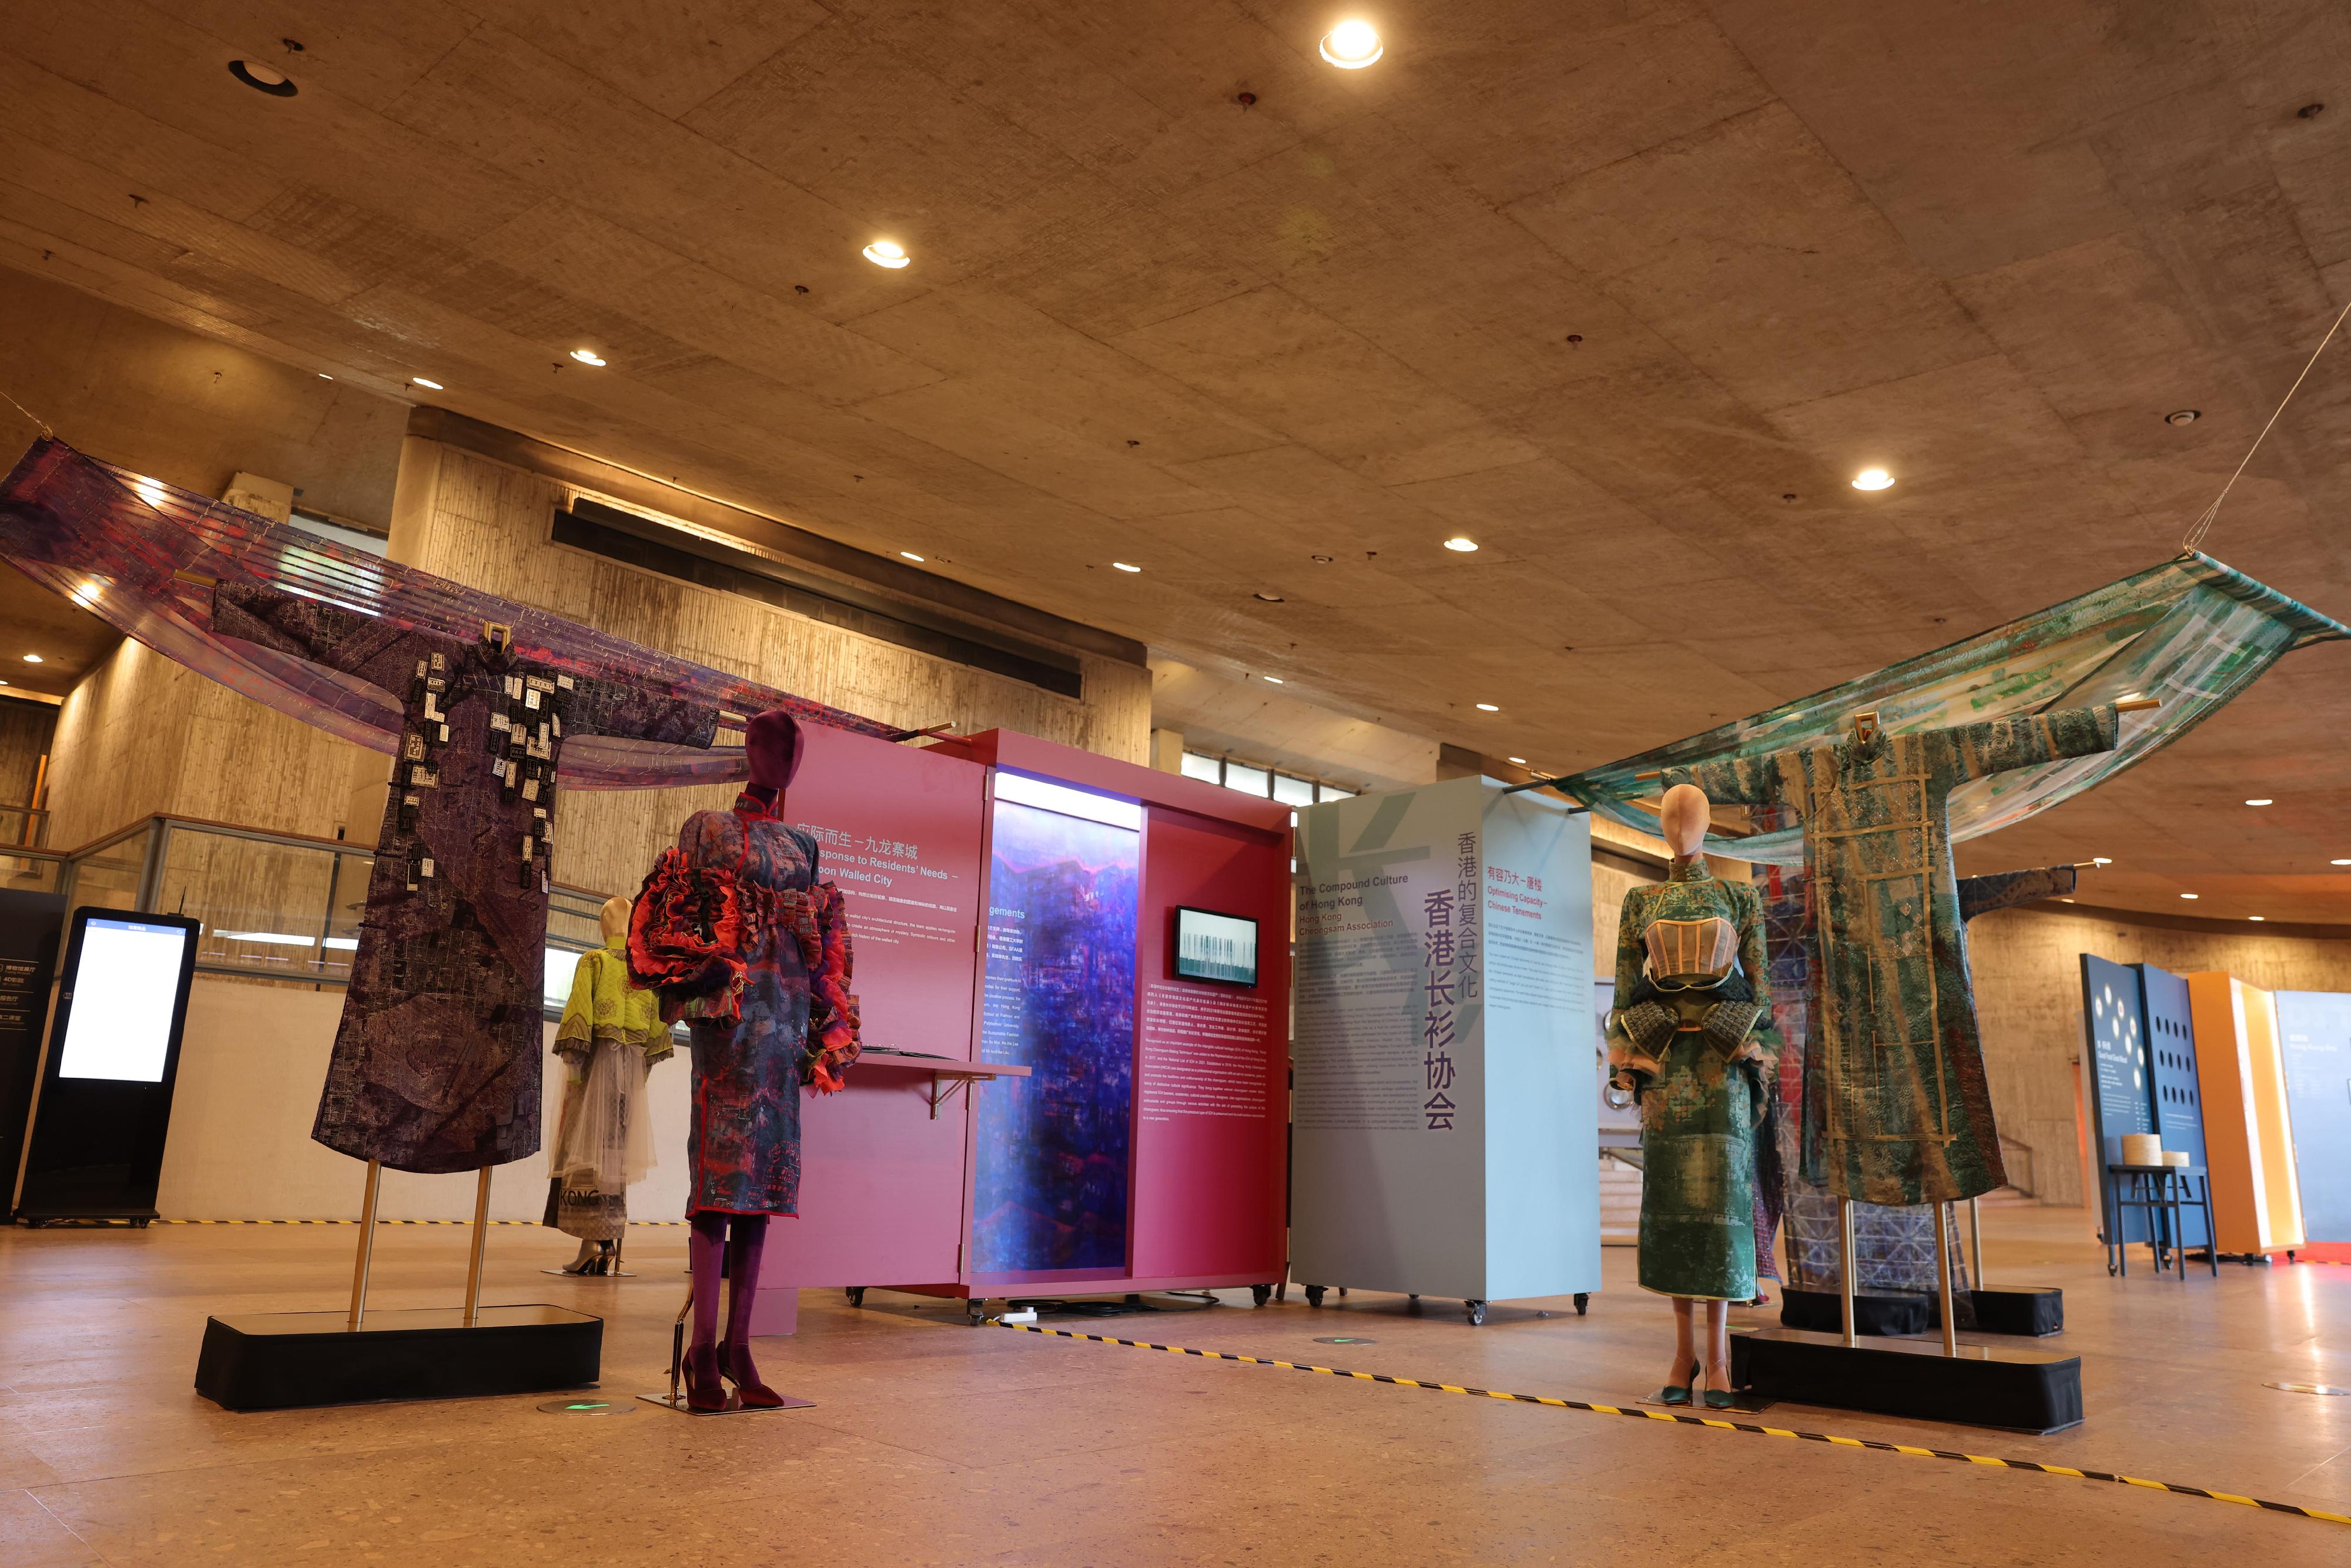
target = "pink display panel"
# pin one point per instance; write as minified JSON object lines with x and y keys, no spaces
{"x":1211,"y":1060}
{"x":899,"y":829}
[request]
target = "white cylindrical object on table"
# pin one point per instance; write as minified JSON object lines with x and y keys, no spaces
{"x":2175,"y":1157}
{"x":2142,"y":1149}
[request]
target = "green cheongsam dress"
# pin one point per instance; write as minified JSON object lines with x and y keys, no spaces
{"x":1691,"y":987}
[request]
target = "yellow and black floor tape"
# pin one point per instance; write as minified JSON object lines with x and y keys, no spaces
{"x":1681,"y":1420}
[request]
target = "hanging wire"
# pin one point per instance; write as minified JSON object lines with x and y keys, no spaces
{"x":38,"y":422}
{"x":2195,"y":539}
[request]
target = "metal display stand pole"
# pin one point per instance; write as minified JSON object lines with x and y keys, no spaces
{"x":1975,"y":1241}
{"x":367,"y":1244}
{"x":1844,"y":1265}
{"x":1943,"y":1278}
{"x":481,"y":1238}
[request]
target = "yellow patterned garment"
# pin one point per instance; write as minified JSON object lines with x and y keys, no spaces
{"x":607,"y":1008}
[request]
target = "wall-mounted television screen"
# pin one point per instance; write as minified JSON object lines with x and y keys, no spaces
{"x":1219,"y":947}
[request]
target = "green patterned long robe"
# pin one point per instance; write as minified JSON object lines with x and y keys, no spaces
{"x":1896,"y":1106}
{"x":1704,"y":1078}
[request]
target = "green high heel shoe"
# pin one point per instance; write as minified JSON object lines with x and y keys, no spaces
{"x":1719,"y":1398}
{"x":1679,"y":1393}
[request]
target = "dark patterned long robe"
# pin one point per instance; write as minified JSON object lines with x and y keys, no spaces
{"x":436,"y":1062}
{"x":1896,"y":1110}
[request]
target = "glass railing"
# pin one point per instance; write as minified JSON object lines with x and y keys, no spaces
{"x":27,"y":826}
{"x":273,"y":906}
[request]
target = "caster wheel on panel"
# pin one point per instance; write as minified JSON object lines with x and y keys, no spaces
{"x":976,"y":1310}
{"x":1261,"y":1294}
{"x":856,"y":1295}
{"x":1582,"y":1302}
{"x":1313,"y":1295}
{"x":1474,"y":1311}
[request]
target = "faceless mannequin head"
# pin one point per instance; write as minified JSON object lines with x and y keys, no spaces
{"x":1682,"y":819}
{"x":773,"y":741}
{"x":615,"y":920}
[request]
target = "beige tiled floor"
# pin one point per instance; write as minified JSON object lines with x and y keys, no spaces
{"x":935,"y":1443}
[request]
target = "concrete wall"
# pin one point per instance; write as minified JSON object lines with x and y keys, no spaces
{"x":2028,"y":975}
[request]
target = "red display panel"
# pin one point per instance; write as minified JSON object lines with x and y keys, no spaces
{"x":899,"y":829}
{"x":1211,"y":1060}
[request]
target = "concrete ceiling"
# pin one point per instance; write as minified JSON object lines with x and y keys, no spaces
{"x":1626,"y":292}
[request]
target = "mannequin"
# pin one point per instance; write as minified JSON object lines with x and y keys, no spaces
{"x":611,"y":1036}
{"x":1691,"y":979}
{"x":736,"y":934}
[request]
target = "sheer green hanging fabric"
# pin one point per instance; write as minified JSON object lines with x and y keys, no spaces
{"x":2191,"y":631}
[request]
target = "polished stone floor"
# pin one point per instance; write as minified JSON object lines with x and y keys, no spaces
{"x":936,"y":1443}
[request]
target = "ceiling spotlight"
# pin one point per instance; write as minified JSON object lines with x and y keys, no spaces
{"x":1520,"y":760}
{"x":2261,"y":803}
{"x":910,"y":555}
{"x":1271,"y":598}
{"x":325,"y":377}
{"x":1123,"y":567}
{"x":428,"y":386}
{"x":31,"y":658}
{"x":1320,"y":559}
{"x":2182,"y":416}
{"x":1353,"y":45}
{"x":587,"y":356}
{"x":2102,"y":860}
{"x":1873,"y":479}
{"x":261,"y":79}
{"x":2187,"y":896}
{"x":1461,"y":542}
{"x":1488,"y":707}
{"x":1275,"y":679}
{"x":887,"y":252}
{"x":2339,"y":862}
{"x":2257,"y":917}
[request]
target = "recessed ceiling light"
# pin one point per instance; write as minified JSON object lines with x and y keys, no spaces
{"x":1873,"y":479}
{"x":2182,"y":416}
{"x":1461,"y":542}
{"x":325,"y":377}
{"x":2264,"y":801}
{"x":261,"y":79}
{"x":2102,"y":860}
{"x":1353,"y":45}
{"x":1123,"y":567}
{"x":1272,"y":598}
{"x":1488,"y":707}
{"x":2257,"y":917}
{"x":910,"y":555}
{"x":2339,"y":862}
{"x":1320,"y":559}
{"x":887,"y":252}
{"x":1518,"y":761}
{"x":2187,"y":896}
{"x":428,"y":386}
{"x":587,"y":356}
{"x":1275,"y":680}
{"x":31,"y":658}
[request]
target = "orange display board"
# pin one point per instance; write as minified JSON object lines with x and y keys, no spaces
{"x":2248,"y":1135}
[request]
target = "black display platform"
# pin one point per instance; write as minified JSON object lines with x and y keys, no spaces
{"x":1982,"y":1386}
{"x":1822,"y":1311}
{"x":2033,"y":1312}
{"x":282,"y":1360}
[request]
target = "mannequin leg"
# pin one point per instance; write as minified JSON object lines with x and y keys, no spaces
{"x":1684,"y":1345}
{"x":745,"y":1245}
{"x":1717,"y":1347}
{"x":705,"y":1248}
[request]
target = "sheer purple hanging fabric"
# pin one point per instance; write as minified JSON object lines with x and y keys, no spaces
{"x":111,"y":541}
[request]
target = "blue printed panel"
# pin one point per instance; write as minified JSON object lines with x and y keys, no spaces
{"x":2314,"y":1031}
{"x":2120,"y":1100}
{"x":1050,"y":1188}
{"x":2171,"y":1072}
